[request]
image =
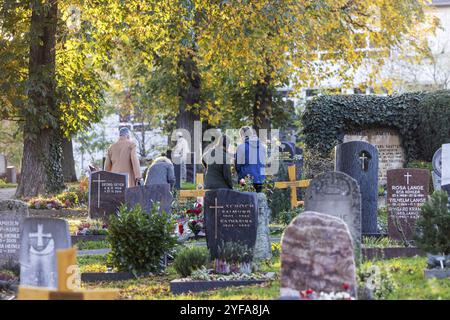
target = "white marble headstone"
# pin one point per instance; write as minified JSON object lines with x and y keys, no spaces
{"x":445,"y":164}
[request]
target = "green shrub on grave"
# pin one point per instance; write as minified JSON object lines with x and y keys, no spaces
{"x":286,"y":216}
{"x":190,"y":259}
{"x":420,"y":118}
{"x":139,"y":240}
{"x":433,"y":225}
{"x":68,"y":198}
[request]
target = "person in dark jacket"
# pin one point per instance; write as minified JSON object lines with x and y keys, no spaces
{"x":217,"y":162}
{"x":250,"y":158}
{"x":161,"y":171}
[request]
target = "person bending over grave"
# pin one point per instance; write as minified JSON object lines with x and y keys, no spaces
{"x":250,"y":158}
{"x":122,"y":158}
{"x":217,"y":162}
{"x":161,"y":171}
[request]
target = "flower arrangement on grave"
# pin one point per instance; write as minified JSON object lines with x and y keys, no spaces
{"x":340,"y":295}
{"x":376,"y":282}
{"x":433,"y":230}
{"x":233,"y":257}
{"x":68,"y":198}
{"x":245,"y":185}
{"x":190,"y":222}
{"x":92,"y":227}
{"x":41,"y":203}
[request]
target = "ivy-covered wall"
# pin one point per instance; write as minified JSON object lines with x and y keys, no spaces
{"x":422,"y":119}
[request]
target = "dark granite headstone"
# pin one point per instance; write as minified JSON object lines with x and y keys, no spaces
{"x":407,"y":190}
{"x":359,"y":160}
{"x":191,"y":168}
{"x":177,"y":170}
{"x":146,"y":196}
{"x":337,"y":194}
{"x":40,"y":239}
{"x":12,"y":214}
{"x":230,"y":216}
{"x":106,"y":193}
{"x":286,"y":151}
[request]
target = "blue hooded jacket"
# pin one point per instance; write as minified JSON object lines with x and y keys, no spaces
{"x":251,"y":160}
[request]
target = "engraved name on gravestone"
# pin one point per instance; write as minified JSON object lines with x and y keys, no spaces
{"x":317,"y":253}
{"x":407,"y":191}
{"x":40,"y":239}
{"x":436,"y":174}
{"x":147,"y":195}
{"x":337,"y":194}
{"x":389,"y":145}
{"x":106,"y":193}
{"x":12,"y":214}
{"x":359,"y":160}
{"x":230,"y":216}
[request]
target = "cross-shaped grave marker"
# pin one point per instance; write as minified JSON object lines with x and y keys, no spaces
{"x":199,"y":188}
{"x":293,"y":184}
{"x":215,"y":207}
{"x":99,"y":181}
{"x":67,"y":278}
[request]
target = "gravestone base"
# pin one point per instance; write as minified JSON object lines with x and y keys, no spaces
{"x":263,"y":249}
{"x":179,"y":286}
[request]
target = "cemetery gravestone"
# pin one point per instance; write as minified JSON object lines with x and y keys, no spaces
{"x":40,"y":238}
{"x":230,"y":216}
{"x":147,"y":195}
{"x":2,"y":165}
{"x":445,"y":164}
{"x":389,"y":145}
{"x":191,"y":168}
{"x":338,"y":195}
{"x":106,"y":193}
{"x":298,"y":161}
{"x":12,"y":214}
{"x":407,"y":191}
{"x":437,"y":169}
{"x":317,"y":254}
{"x":263,"y":249}
{"x":286,"y":151}
{"x":359,"y":160}
{"x":177,"y":169}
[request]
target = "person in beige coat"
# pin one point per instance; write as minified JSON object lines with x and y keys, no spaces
{"x":122,"y":158}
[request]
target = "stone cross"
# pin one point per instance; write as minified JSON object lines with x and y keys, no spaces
{"x":293,"y":185}
{"x":199,"y":189}
{"x":99,"y":181}
{"x":407,"y":176}
{"x":67,"y":275}
{"x":40,"y":236}
{"x":215,"y":207}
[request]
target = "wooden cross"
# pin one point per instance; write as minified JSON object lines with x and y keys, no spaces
{"x":293,"y":184}
{"x":67,"y":275}
{"x":407,"y":176}
{"x":199,"y":188}
{"x":215,"y":207}
{"x":99,"y":182}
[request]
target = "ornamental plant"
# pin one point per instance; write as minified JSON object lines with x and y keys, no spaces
{"x":233,"y":257}
{"x":139,"y":239}
{"x":190,"y":259}
{"x":433,"y":225}
{"x":68,"y":198}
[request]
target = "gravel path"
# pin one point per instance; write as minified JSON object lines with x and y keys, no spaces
{"x":7,"y":193}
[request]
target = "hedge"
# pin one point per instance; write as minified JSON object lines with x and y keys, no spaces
{"x":422,"y":119}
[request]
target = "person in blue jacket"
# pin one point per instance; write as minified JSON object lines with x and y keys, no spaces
{"x":250,"y":158}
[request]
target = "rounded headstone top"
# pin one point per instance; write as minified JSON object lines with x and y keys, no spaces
{"x":436,"y":162}
{"x":14,"y":205}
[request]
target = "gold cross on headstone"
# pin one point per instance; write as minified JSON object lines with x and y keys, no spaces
{"x":215,"y":207}
{"x":293,"y":184}
{"x":199,"y":188}
{"x":67,"y":276}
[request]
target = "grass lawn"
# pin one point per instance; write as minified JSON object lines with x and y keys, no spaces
{"x":406,"y":272}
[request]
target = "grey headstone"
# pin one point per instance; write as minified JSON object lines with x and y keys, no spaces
{"x":317,"y":253}
{"x":2,"y":165}
{"x":445,"y":164}
{"x":12,"y":214}
{"x":263,"y":248}
{"x":230,"y":216}
{"x":337,"y":194}
{"x":40,"y":239}
{"x":177,"y":170}
{"x":106,"y":193}
{"x":359,"y":160}
{"x":146,"y":196}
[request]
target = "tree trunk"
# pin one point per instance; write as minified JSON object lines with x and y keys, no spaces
{"x":41,"y":164}
{"x":262,"y":108}
{"x":68,"y":162}
{"x":189,"y":93}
